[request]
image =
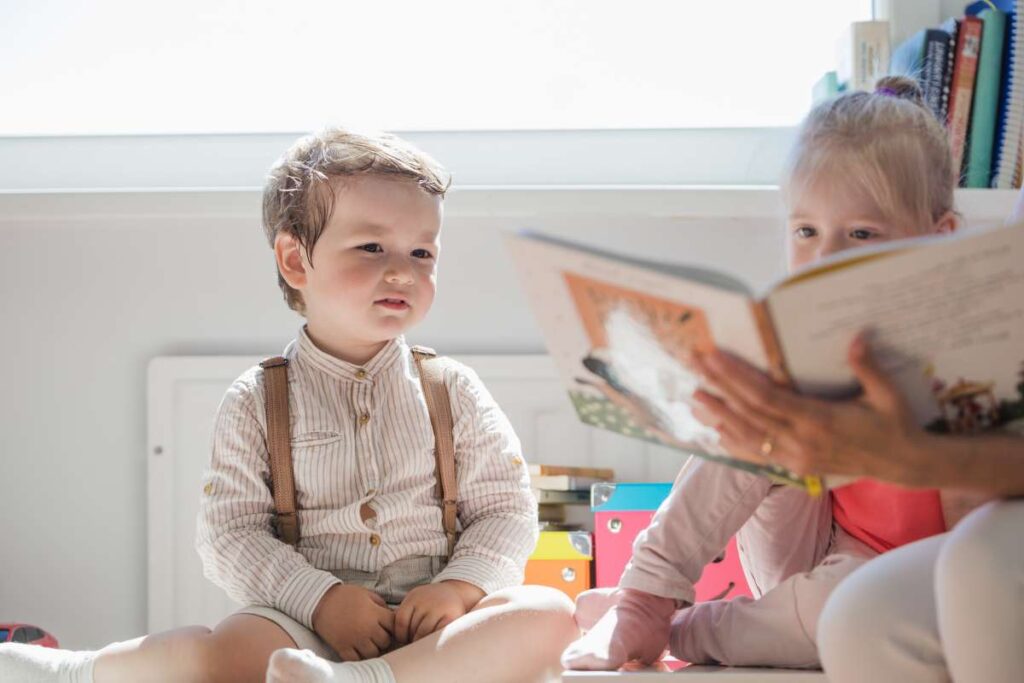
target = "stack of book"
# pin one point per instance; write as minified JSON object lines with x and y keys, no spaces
{"x":563,"y":494}
{"x":971,"y":70}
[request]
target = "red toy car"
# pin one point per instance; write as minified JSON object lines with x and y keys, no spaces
{"x":26,"y":633}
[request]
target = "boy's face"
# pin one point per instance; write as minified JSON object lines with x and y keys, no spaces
{"x":374,"y":269}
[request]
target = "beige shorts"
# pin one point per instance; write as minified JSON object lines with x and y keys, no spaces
{"x":392,"y":583}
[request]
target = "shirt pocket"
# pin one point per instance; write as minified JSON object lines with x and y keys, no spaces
{"x":312,"y":439}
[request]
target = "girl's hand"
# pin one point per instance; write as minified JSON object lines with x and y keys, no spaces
{"x":761,"y":421}
{"x":433,"y":606}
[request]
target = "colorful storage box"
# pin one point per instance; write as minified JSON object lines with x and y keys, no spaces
{"x":562,"y":560}
{"x":621,"y":511}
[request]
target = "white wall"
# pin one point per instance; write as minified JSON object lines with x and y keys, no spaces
{"x":94,"y":285}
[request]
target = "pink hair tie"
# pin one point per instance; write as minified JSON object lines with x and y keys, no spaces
{"x":887,"y":91}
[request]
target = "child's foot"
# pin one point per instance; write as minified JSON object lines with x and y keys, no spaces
{"x":302,"y":666}
{"x":36,"y":664}
{"x":636,"y":628}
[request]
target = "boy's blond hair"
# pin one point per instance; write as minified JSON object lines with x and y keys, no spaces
{"x":886,"y":145}
{"x":298,"y":197}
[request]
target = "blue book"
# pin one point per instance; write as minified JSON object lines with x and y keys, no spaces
{"x":985,"y":110}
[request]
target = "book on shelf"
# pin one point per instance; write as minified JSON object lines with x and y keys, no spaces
{"x":985,"y":110}
{"x":925,"y":57}
{"x":545,"y":496}
{"x":945,"y":314}
{"x":564,"y":482}
{"x":965,"y":69}
{"x":1010,"y":118}
{"x":536,"y":469}
{"x":863,"y":55}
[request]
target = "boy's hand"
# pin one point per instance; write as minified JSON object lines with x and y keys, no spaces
{"x":433,"y":606}
{"x":354,"y":621}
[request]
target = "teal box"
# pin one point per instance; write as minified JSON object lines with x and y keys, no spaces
{"x":626,"y":496}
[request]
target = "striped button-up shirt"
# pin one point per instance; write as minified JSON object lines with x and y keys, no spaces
{"x":360,"y":435}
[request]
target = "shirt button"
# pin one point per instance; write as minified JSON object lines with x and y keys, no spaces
{"x":516,"y":460}
{"x":208,"y":489}
{"x":364,"y":418}
{"x":360,"y":374}
{"x":371,"y":492}
{"x":374,"y":540}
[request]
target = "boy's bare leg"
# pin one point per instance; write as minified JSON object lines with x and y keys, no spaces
{"x":236,"y":650}
{"x":514,"y":635}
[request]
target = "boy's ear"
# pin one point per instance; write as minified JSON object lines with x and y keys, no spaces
{"x":948,"y":223}
{"x":290,"y":260}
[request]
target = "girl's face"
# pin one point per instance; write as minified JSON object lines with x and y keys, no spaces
{"x":827,"y":218}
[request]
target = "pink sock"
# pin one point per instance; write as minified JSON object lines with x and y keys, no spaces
{"x":635,"y":628}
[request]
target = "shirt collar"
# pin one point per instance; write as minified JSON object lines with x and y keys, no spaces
{"x":310,"y":353}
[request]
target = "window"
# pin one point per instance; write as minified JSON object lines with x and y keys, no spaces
{"x":20,"y":636}
{"x":3,"y":635}
{"x":201,"y":66}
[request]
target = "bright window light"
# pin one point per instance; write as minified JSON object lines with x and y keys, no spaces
{"x":209,"y":66}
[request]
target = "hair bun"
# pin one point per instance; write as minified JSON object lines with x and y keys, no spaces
{"x":900,"y":87}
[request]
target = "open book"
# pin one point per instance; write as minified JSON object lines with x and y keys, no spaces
{"x":945,"y":316}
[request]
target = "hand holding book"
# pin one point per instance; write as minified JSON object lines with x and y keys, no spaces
{"x":762,"y":421}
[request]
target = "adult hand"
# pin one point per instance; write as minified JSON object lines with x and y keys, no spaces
{"x":354,"y":621}
{"x":433,"y":606}
{"x":762,"y":421}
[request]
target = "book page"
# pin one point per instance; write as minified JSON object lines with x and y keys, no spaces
{"x":621,"y":334}
{"x":946,"y":321}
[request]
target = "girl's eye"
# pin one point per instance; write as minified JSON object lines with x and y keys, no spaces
{"x":422,"y":253}
{"x":372,"y":247}
{"x":805,"y":232}
{"x":861,"y":234}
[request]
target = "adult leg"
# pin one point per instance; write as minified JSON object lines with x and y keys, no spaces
{"x":979,"y":586}
{"x":515,"y":635}
{"x":236,"y":650}
{"x":880,"y":624}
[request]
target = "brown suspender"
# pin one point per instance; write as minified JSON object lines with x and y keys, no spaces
{"x":282,"y":482}
{"x":431,"y":371}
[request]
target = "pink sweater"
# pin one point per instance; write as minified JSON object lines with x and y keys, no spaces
{"x":886,"y":516}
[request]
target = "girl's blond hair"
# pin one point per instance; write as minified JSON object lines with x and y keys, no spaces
{"x":298,"y":197}
{"x":886,"y":145}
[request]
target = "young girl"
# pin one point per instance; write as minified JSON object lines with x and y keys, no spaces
{"x":355,"y":224}
{"x":866,"y":167}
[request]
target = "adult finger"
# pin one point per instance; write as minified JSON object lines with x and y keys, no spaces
{"x":348,"y":654}
{"x":878,"y":388}
{"x":750,"y":427}
{"x":414,"y":623}
{"x":742,"y":383}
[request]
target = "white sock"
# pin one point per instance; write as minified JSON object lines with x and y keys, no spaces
{"x":302,"y":666}
{"x":35,"y":664}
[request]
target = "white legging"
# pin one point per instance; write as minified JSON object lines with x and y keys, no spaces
{"x":946,"y":608}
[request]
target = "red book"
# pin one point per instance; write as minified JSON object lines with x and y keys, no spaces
{"x":965,"y":69}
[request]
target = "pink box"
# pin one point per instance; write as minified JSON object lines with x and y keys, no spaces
{"x":614,"y":533}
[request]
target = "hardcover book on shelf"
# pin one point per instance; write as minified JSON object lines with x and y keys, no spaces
{"x":981,"y":137}
{"x":925,"y":57}
{"x":965,"y":69}
{"x":537,"y":469}
{"x":946,"y":316}
{"x":863,"y":55}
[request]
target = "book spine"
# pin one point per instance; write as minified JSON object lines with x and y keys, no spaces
{"x":936,"y":48}
{"x":947,"y":70}
{"x":778,"y":371}
{"x":965,"y":69}
{"x":863,"y":55}
{"x":770,"y":343}
{"x":986,"y":100}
